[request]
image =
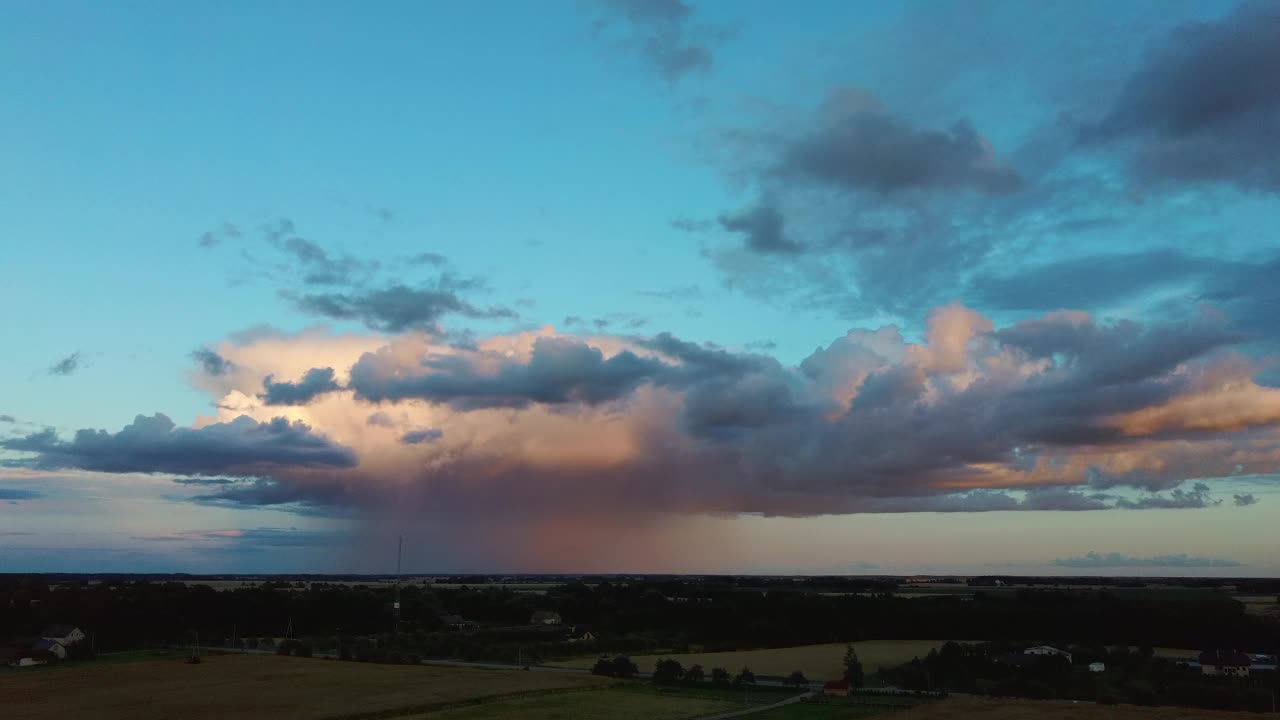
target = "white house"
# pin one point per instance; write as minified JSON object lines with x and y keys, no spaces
{"x":1097,"y":667}
{"x":52,"y":647}
{"x":64,"y":635}
{"x":1047,"y":650}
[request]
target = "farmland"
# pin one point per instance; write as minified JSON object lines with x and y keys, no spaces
{"x":261,"y":686}
{"x":975,"y":709}
{"x":817,"y":662}
{"x":630,"y":703}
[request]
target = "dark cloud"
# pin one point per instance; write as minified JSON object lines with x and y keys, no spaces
{"x":683,"y":293}
{"x":155,"y":444}
{"x":318,"y":267}
{"x":1204,"y":104}
{"x":1197,"y":497}
{"x":8,"y":419}
{"x":255,"y":537}
{"x":213,"y":237}
{"x":1101,"y":279}
{"x":67,"y":365}
{"x":427,"y":258}
{"x":763,"y":229}
{"x":316,"y":382}
{"x":396,"y":308}
{"x":212,"y":362}
{"x":1118,"y":560}
{"x":692,"y":225}
{"x":380,"y":419}
{"x":15,"y":494}
{"x":201,"y":481}
{"x":418,"y":437}
{"x":560,"y":370}
{"x":1245,"y":500}
{"x":860,"y":146}
{"x":660,"y":31}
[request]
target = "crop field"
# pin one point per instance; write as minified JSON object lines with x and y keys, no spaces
{"x":258,"y":686}
{"x":817,"y":662}
{"x":631,"y":703}
{"x":986,"y":709}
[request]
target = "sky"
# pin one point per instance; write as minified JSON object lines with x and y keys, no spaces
{"x":640,"y":286}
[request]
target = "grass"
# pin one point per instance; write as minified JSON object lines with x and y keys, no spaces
{"x":817,"y":662}
{"x":281,"y":688}
{"x":612,"y":704}
{"x":988,"y":709}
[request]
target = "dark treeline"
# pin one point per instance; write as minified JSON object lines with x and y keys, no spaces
{"x":625,"y":617}
{"x":1136,"y":677}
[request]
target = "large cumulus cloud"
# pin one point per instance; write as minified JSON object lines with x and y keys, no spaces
{"x":1062,"y":411}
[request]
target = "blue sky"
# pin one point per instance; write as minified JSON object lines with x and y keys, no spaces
{"x":418,"y":190}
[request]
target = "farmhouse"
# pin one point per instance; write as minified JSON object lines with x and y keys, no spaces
{"x":1096,"y":667}
{"x":580,"y":633}
{"x":64,"y":635}
{"x":1228,"y":663}
{"x":1047,"y":650}
{"x":545,"y":617}
{"x":836,"y":687}
{"x":54,"y":648}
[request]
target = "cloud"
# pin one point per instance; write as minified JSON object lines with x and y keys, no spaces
{"x":213,"y":237}
{"x":14,"y":494}
{"x":8,"y":419}
{"x":155,"y":444}
{"x":1197,"y":497}
{"x":660,"y":31}
{"x":763,"y":230}
{"x":214,"y":481}
{"x":213,"y":363}
{"x":1202,"y":106}
{"x":316,"y":382}
{"x":380,"y":419}
{"x":395,"y":308}
{"x":1118,"y":560}
{"x":272,"y":537}
{"x":559,"y":370}
{"x":427,"y":258}
{"x":318,"y":266}
{"x":1245,"y":500}
{"x":67,"y":365}
{"x":418,"y":437}
{"x":860,"y":146}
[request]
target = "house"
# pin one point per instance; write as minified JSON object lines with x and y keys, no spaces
{"x":457,"y":622}
{"x":1228,"y":663}
{"x":545,"y":617}
{"x":580,"y":633}
{"x":1097,"y":667}
{"x":1047,"y":650}
{"x":64,"y":635}
{"x":836,"y":687}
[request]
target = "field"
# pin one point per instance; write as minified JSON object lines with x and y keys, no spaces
{"x":817,"y":662}
{"x":984,"y":709}
{"x":635,"y":703}
{"x":258,"y":686}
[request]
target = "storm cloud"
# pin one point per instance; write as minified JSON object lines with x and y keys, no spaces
{"x":762,"y":229}
{"x":212,"y":362}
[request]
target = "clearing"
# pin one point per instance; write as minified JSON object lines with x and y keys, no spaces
{"x":259,"y":686}
{"x":817,"y":662}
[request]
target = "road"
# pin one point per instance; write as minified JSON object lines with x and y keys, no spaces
{"x":759,"y":708}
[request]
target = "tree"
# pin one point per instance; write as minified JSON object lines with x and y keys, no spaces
{"x":695,"y":673}
{"x":852,"y":667}
{"x":797,"y":679}
{"x":623,"y":667}
{"x":746,"y":677}
{"x":603,"y":666}
{"x":668,"y":671}
{"x":719,"y":676}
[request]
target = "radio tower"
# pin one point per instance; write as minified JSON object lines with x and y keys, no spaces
{"x":399,"y":555}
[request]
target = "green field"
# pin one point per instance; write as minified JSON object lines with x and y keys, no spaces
{"x":817,"y":662}
{"x":988,"y":709}
{"x":637,"y":703}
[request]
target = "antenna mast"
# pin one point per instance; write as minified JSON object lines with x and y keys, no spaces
{"x":399,"y":555}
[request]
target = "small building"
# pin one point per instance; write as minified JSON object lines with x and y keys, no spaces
{"x":1227,"y":663}
{"x":53,"y":647}
{"x":64,"y":635}
{"x":839,"y":688}
{"x":581,"y":633}
{"x":1097,"y":667}
{"x":1047,"y":650}
{"x":545,"y":617}
{"x":457,"y":622}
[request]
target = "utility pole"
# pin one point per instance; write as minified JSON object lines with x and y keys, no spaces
{"x":399,"y":555}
